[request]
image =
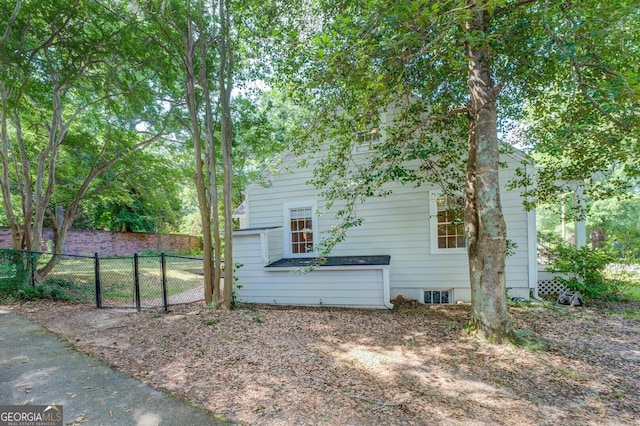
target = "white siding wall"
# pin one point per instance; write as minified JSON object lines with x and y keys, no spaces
{"x":338,"y":286}
{"x":397,"y":225}
{"x":275,"y":245}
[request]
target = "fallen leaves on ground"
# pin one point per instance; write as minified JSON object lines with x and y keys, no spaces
{"x":279,"y":366}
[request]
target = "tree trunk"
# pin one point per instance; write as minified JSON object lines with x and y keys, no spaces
{"x":59,"y":238}
{"x":210,"y":155}
{"x":200,"y":178}
{"x":225,"y":78}
{"x":598,"y":237}
{"x":486,"y":227}
{"x":5,"y":183}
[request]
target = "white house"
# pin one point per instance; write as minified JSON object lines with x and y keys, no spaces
{"x":405,"y":246}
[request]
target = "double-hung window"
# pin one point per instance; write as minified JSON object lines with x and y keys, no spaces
{"x":369,"y":137}
{"x":447,"y":224}
{"x":300,"y":229}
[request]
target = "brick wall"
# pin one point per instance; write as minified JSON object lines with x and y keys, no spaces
{"x":105,"y":243}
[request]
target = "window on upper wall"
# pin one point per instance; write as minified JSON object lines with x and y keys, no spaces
{"x":368,"y":138}
{"x":300,"y":227}
{"x":447,"y":224}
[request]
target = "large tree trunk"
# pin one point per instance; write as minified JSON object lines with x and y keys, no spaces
{"x":486,"y":230}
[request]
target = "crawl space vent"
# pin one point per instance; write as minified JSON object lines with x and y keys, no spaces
{"x":438,"y":297}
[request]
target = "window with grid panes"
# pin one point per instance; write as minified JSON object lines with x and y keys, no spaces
{"x":449,"y":222}
{"x":301,"y":230}
{"x":368,"y":138}
{"x":446,"y":224}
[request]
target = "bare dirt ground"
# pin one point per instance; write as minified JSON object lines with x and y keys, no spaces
{"x":413,"y":366}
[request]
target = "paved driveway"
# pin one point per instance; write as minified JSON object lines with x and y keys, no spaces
{"x":38,"y":368}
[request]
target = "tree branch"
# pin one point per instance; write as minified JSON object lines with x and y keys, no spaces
{"x":576,"y":66}
{"x":12,"y":19}
{"x":515,"y":5}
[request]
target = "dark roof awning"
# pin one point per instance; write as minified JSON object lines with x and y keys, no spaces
{"x":300,"y":262}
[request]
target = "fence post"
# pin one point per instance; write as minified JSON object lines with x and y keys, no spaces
{"x":32,"y":263}
{"x":163,"y":264}
{"x":96,"y":264}
{"x":136,"y":281}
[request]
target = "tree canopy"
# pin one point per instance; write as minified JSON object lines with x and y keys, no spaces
{"x":75,"y":86}
{"x":457,"y":72}
{"x":86,"y":85}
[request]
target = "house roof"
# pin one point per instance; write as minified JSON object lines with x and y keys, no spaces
{"x":331,"y":261}
{"x":256,"y":230}
{"x":240,"y":211}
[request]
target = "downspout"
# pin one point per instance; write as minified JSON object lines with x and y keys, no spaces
{"x":386,"y":291}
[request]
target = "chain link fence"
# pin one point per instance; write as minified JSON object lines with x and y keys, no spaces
{"x":139,"y":281}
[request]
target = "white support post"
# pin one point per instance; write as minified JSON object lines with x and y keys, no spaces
{"x":581,"y":225}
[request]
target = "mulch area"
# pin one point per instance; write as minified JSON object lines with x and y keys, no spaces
{"x":413,"y":366}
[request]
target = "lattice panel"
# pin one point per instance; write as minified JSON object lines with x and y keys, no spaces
{"x":551,"y":286}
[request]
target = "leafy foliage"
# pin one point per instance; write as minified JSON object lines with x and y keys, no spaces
{"x":583,"y":270}
{"x":140,"y":194}
{"x":76,"y":99}
{"x":52,"y":289}
{"x":617,"y":220}
{"x":584,"y":126}
{"x":445,"y":70}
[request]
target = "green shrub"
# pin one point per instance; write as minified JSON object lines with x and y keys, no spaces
{"x":583,"y":270}
{"x":194,"y":251}
{"x":15,"y":270}
{"x":52,"y":289}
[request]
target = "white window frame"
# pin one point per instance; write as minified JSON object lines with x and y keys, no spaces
{"x":422,"y":299}
{"x":367,"y":140}
{"x":433,"y":227}
{"x":287,"y":226}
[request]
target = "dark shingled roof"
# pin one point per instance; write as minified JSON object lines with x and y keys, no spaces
{"x":331,"y":261}
{"x":257,"y":228}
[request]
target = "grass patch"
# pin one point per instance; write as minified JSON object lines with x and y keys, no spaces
{"x":632,"y":292}
{"x":570,"y":374}
{"x":632,"y":313}
{"x":626,"y":281}
{"x":210,"y":321}
{"x":524,"y":339}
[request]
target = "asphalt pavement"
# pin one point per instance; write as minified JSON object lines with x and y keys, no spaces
{"x":38,"y":368}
